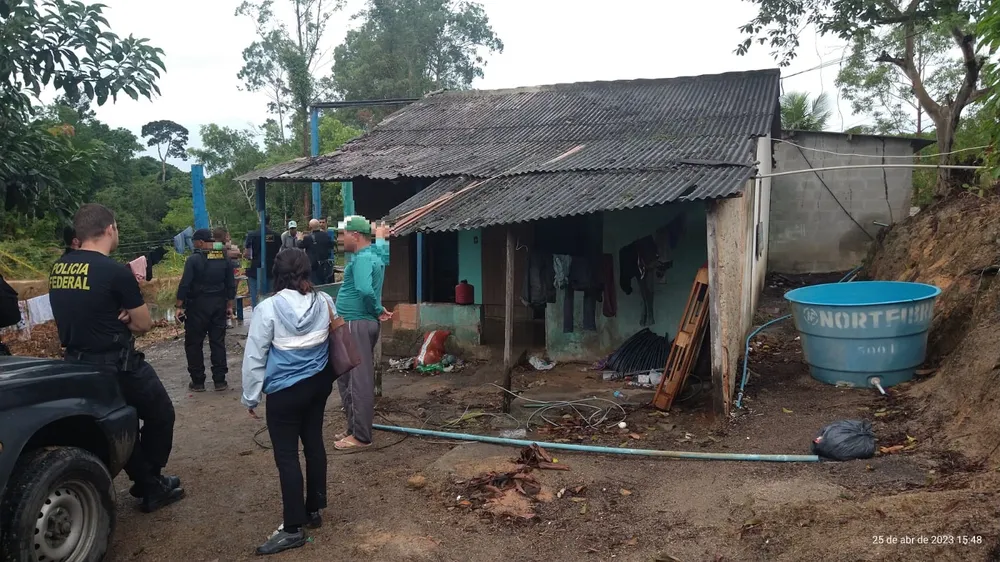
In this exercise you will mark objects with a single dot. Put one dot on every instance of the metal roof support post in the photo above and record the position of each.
(347, 194)
(198, 196)
(420, 267)
(508, 321)
(261, 192)
(314, 133)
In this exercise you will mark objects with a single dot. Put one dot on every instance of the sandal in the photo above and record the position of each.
(341, 436)
(344, 445)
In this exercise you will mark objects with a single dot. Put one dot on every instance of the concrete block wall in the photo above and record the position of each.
(809, 231)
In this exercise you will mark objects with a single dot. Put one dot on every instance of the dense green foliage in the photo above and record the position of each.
(58, 155)
(798, 113)
(65, 46)
(888, 39)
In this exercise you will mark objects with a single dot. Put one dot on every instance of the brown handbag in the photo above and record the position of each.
(344, 354)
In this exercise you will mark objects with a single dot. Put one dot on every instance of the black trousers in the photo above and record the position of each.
(142, 389)
(206, 316)
(295, 413)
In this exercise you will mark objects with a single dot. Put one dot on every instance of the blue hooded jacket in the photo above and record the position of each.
(287, 342)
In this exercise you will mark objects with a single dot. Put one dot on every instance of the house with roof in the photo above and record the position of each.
(596, 203)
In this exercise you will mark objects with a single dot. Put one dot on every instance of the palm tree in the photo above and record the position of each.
(798, 113)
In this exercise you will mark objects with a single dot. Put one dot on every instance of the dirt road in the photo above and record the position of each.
(629, 508)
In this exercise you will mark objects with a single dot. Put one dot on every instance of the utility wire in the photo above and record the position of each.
(877, 155)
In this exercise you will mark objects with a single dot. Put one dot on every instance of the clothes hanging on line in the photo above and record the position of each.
(39, 310)
(539, 281)
(138, 267)
(184, 241)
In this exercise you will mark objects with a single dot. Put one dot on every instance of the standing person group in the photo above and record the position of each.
(287, 358)
(98, 307)
(272, 244)
(205, 298)
(319, 247)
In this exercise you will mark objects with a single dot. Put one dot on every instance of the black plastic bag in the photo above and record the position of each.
(845, 440)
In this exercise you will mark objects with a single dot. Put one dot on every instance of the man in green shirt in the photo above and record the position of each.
(359, 302)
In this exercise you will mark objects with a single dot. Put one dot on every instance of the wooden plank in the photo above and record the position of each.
(686, 345)
(508, 321)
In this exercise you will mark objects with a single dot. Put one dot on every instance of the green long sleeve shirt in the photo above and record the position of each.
(360, 296)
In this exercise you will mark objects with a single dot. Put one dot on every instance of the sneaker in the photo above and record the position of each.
(281, 541)
(171, 482)
(220, 386)
(162, 496)
(315, 521)
(196, 387)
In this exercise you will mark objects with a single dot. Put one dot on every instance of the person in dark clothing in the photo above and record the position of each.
(70, 240)
(286, 358)
(318, 245)
(272, 243)
(204, 301)
(98, 307)
(10, 312)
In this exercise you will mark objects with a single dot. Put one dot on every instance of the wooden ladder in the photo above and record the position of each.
(687, 344)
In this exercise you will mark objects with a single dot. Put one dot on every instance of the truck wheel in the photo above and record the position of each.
(59, 507)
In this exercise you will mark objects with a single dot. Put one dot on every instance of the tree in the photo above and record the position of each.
(798, 113)
(228, 153)
(884, 92)
(778, 23)
(284, 61)
(989, 29)
(407, 48)
(67, 46)
(170, 140)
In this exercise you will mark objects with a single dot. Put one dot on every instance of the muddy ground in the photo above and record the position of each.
(627, 509)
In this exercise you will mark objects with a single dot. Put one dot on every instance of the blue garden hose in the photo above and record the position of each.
(746, 351)
(595, 449)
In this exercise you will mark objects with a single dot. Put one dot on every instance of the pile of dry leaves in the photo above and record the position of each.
(513, 494)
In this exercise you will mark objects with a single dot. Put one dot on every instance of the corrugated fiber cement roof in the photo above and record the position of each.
(566, 148)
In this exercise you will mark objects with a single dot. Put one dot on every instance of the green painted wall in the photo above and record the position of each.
(462, 321)
(669, 298)
(470, 260)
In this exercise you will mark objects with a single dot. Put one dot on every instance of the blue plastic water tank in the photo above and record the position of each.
(854, 332)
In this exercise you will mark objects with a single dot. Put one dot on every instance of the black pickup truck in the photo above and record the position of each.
(65, 433)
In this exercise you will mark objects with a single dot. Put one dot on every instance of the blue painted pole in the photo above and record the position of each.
(347, 194)
(198, 196)
(262, 215)
(314, 134)
(420, 267)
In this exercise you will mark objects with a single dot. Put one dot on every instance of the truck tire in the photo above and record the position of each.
(59, 506)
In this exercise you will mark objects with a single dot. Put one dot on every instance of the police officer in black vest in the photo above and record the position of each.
(204, 301)
(98, 307)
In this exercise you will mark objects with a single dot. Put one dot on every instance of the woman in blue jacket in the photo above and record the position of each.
(286, 359)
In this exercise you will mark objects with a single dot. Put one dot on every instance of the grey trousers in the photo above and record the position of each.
(357, 387)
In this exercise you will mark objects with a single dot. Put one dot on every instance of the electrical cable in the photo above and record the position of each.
(851, 154)
(832, 194)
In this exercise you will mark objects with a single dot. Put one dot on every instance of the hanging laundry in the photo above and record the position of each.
(184, 241)
(154, 257)
(539, 284)
(583, 276)
(560, 267)
(138, 267)
(610, 307)
(39, 310)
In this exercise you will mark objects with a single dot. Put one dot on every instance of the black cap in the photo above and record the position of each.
(202, 235)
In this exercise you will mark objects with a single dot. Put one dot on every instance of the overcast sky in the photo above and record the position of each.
(546, 42)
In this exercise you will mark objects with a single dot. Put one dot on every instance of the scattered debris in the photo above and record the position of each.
(536, 457)
(540, 364)
(625, 492)
(519, 433)
(416, 482)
